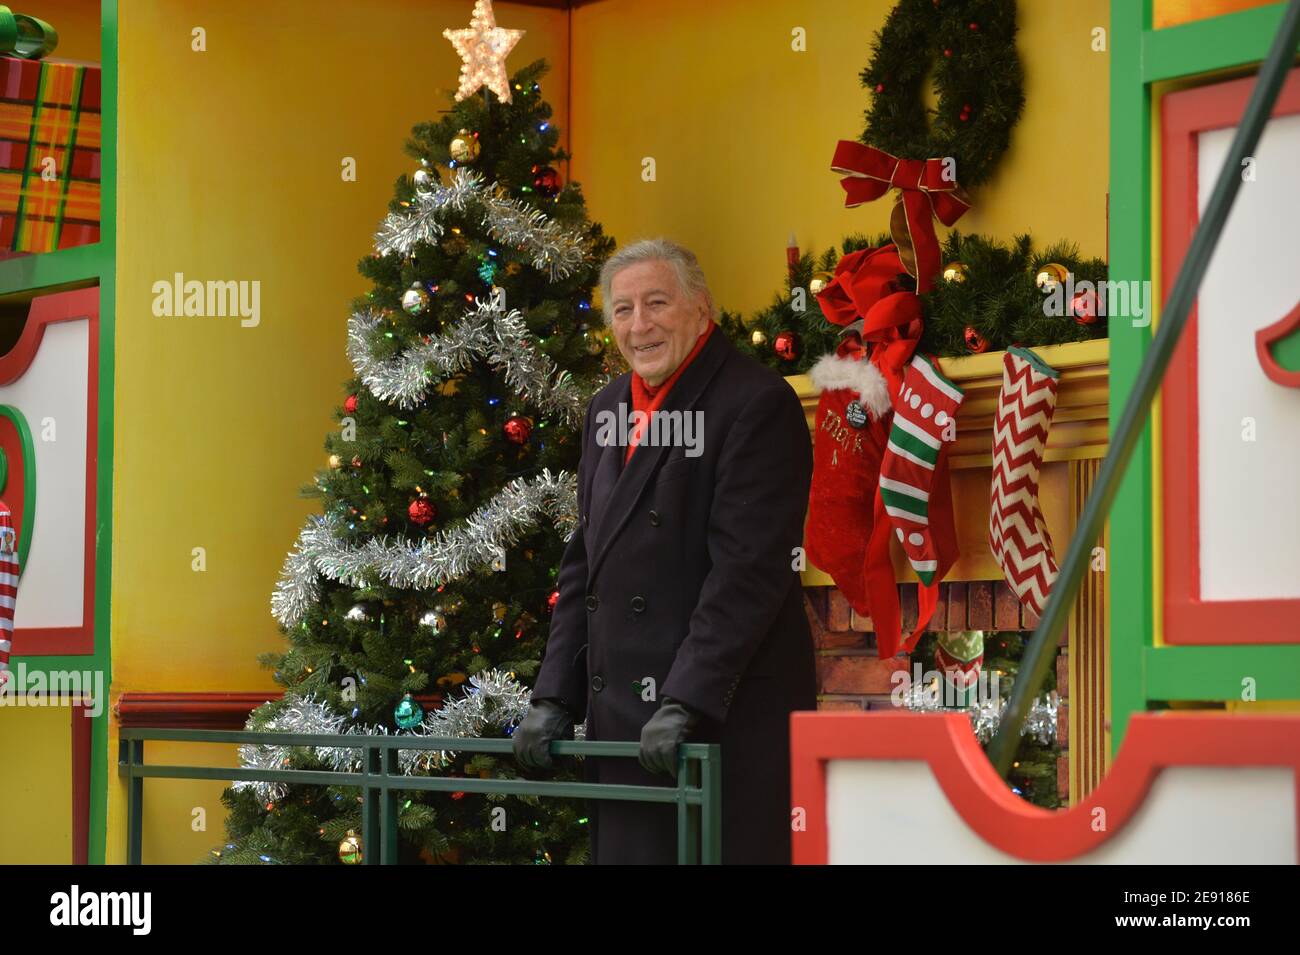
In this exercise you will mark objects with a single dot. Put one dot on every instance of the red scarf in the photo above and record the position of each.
(648, 398)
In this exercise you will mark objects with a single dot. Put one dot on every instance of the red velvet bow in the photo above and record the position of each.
(925, 194)
(865, 286)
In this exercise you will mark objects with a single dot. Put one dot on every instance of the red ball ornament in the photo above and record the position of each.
(350, 405)
(552, 600)
(974, 28)
(786, 346)
(880, 87)
(947, 52)
(546, 180)
(356, 461)
(975, 342)
(421, 512)
(517, 429)
(1084, 307)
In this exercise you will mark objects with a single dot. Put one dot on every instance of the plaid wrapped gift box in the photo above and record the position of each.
(49, 154)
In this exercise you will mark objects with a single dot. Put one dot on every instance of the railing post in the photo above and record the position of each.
(711, 807)
(133, 751)
(388, 810)
(687, 821)
(371, 823)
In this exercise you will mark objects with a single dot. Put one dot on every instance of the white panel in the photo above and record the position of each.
(893, 812)
(1249, 508)
(55, 386)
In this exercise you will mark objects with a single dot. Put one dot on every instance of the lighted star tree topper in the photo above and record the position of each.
(483, 47)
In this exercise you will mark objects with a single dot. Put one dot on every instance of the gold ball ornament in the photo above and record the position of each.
(595, 342)
(758, 338)
(350, 848)
(819, 281)
(336, 462)
(955, 272)
(1050, 275)
(464, 147)
(415, 300)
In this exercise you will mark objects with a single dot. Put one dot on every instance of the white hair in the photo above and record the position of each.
(690, 277)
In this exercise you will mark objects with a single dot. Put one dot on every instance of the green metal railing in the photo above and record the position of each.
(1039, 655)
(697, 793)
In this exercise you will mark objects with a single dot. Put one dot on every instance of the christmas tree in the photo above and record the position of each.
(418, 600)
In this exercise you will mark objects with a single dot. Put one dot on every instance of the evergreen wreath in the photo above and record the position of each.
(977, 75)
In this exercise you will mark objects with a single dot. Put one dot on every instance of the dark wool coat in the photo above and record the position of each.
(683, 570)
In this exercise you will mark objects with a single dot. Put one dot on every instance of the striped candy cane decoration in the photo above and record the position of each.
(1017, 532)
(8, 586)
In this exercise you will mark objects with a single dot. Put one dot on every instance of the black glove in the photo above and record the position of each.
(670, 725)
(546, 720)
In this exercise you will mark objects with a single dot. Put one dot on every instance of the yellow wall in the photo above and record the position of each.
(230, 169)
(743, 129)
(35, 745)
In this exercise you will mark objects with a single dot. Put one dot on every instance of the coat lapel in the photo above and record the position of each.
(615, 491)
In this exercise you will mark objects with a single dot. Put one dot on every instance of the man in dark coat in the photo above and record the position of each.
(680, 614)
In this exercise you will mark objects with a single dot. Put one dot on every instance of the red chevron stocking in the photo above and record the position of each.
(1017, 532)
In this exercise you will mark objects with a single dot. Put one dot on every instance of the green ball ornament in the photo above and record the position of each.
(408, 713)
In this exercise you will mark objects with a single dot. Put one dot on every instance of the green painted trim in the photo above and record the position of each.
(29, 482)
(1216, 43)
(99, 770)
(1216, 673)
(1130, 576)
(81, 263)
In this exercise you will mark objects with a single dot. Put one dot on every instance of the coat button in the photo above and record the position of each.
(597, 683)
(592, 602)
(638, 603)
(654, 518)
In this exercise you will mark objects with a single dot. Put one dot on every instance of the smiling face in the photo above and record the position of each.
(655, 323)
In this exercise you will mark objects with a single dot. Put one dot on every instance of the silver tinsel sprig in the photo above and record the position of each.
(488, 332)
(494, 700)
(454, 551)
(986, 714)
(551, 245)
(401, 231)
(509, 221)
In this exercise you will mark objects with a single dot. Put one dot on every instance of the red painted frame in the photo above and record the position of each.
(1188, 619)
(980, 796)
(47, 310)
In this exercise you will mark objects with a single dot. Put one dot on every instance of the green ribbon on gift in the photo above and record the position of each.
(25, 37)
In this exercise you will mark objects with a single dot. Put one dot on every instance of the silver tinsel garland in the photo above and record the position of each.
(507, 220)
(477, 541)
(493, 700)
(488, 332)
(986, 715)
